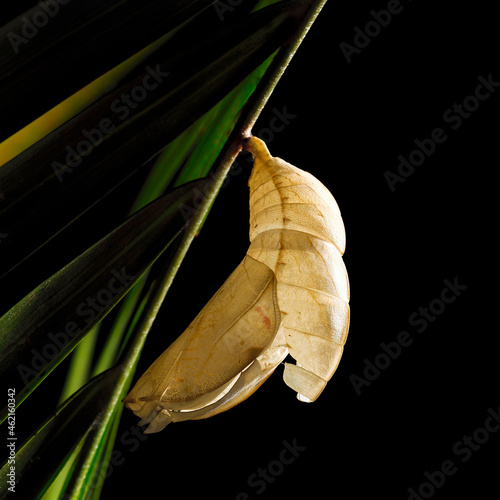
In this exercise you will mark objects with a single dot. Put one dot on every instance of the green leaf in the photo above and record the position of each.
(81, 365)
(57, 179)
(220, 136)
(54, 317)
(96, 468)
(45, 451)
(74, 34)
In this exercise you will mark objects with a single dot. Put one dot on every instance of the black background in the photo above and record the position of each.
(347, 124)
(351, 122)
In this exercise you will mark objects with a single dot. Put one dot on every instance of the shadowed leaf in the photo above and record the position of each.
(60, 177)
(45, 451)
(55, 316)
(35, 45)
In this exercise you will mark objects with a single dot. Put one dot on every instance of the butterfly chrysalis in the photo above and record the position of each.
(289, 295)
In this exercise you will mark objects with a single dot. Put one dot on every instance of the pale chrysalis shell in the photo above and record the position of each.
(297, 231)
(290, 295)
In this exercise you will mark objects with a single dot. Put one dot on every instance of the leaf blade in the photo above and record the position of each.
(56, 305)
(74, 35)
(65, 170)
(53, 442)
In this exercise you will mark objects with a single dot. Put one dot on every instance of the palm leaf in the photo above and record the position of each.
(54, 318)
(247, 56)
(81, 29)
(82, 161)
(40, 457)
